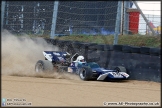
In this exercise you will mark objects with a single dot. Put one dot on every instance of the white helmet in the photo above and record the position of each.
(80, 59)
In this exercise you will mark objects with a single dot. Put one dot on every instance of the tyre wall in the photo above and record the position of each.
(142, 63)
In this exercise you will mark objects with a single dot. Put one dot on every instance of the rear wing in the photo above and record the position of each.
(56, 56)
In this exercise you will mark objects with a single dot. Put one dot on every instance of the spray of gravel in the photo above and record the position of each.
(20, 54)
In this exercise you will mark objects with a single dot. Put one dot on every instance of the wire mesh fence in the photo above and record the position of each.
(28, 16)
(152, 12)
(155, 23)
(79, 17)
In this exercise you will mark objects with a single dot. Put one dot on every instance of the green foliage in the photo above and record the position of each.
(133, 40)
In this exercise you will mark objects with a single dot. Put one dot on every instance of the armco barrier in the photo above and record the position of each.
(142, 63)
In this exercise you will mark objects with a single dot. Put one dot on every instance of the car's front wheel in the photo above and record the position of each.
(85, 73)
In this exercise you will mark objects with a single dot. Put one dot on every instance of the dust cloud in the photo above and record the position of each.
(20, 54)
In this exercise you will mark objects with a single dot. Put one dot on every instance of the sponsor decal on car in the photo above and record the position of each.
(55, 53)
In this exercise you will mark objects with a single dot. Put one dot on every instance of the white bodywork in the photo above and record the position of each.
(125, 74)
(48, 56)
(114, 74)
(103, 76)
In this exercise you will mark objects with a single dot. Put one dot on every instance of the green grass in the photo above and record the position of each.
(133, 40)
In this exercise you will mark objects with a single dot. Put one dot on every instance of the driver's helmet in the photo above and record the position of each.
(80, 59)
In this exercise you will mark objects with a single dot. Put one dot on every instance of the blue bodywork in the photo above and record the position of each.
(98, 72)
(57, 56)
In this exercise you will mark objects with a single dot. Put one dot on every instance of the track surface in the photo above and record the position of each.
(64, 92)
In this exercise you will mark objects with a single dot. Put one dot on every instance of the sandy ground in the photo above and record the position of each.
(72, 92)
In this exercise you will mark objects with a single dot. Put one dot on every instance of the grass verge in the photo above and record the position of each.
(133, 40)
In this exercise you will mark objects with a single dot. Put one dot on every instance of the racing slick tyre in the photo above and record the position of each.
(43, 66)
(154, 51)
(120, 69)
(101, 47)
(110, 48)
(117, 47)
(145, 50)
(54, 41)
(126, 49)
(135, 49)
(85, 73)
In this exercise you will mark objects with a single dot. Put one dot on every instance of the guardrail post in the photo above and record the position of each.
(54, 18)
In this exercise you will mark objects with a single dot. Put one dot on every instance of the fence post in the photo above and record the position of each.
(126, 17)
(117, 26)
(54, 18)
(121, 21)
(2, 13)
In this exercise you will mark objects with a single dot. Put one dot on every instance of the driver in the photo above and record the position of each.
(79, 60)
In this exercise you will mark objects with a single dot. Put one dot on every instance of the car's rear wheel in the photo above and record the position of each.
(85, 73)
(43, 66)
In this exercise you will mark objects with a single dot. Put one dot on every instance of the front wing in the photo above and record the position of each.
(113, 75)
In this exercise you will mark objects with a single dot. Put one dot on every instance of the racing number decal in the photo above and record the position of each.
(116, 74)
